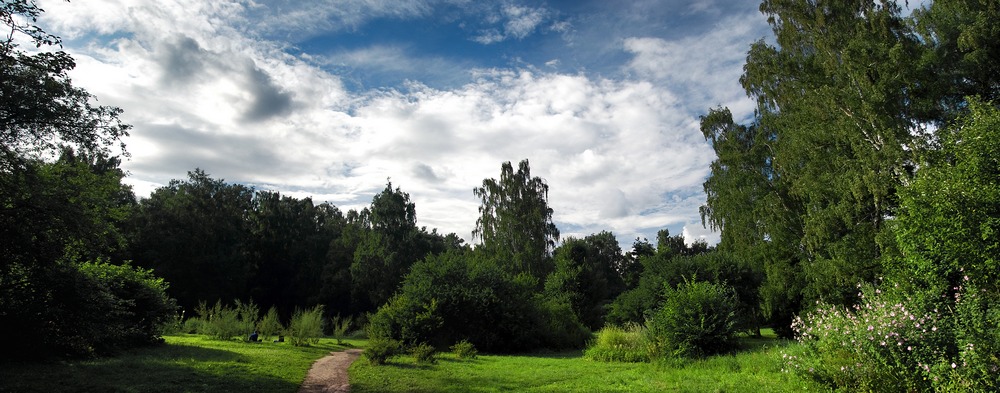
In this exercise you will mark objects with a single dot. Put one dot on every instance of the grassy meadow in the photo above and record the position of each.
(757, 369)
(192, 363)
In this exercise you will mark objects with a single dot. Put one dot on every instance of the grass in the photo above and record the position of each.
(757, 369)
(187, 363)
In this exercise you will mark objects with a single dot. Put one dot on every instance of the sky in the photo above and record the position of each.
(330, 99)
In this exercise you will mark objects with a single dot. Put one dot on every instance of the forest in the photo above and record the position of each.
(859, 210)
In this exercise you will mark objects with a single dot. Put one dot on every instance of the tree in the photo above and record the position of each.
(41, 111)
(291, 241)
(950, 214)
(54, 216)
(197, 235)
(386, 250)
(585, 273)
(515, 221)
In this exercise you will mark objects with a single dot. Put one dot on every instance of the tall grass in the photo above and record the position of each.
(621, 344)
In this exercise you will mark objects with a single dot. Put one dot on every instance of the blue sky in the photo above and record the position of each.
(329, 99)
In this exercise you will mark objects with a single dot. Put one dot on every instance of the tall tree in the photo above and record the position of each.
(291, 242)
(585, 272)
(515, 220)
(40, 110)
(386, 250)
(197, 234)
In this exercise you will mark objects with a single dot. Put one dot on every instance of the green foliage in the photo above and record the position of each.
(196, 234)
(306, 326)
(133, 305)
(42, 112)
(585, 270)
(341, 327)
(616, 344)
(466, 295)
(270, 325)
(895, 343)
(696, 318)
(424, 354)
(515, 220)
(381, 350)
(949, 220)
(554, 324)
(464, 350)
(220, 322)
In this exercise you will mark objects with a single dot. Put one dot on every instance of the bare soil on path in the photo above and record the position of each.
(329, 374)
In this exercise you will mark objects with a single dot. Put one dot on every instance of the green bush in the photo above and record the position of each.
(556, 326)
(193, 326)
(340, 328)
(220, 322)
(895, 343)
(247, 315)
(424, 354)
(697, 318)
(101, 308)
(270, 325)
(470, 296)
(381, 350)
(616, 344)
(306, 327)
(464, 350)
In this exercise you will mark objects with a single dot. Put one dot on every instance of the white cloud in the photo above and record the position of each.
(705, 68)
(519, 22)
(618, 154)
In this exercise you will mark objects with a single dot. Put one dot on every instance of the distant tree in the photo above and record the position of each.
(291, 242)
(386, 250)
(197, 234)
(515, 220)
(585, 273)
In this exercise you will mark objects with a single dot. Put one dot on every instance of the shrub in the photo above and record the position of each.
(894, 343)
(556, 326)
(270, 325)
(424, 354)
(381, 350)
(697, 318)
(464, 350)
(220, 322)
(341, 327)
(306, 327)
(616, 344)
(193, 326)
(247, 315)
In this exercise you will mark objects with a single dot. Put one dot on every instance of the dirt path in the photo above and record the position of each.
(329, 374)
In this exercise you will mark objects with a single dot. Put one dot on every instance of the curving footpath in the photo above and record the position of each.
(329, 374)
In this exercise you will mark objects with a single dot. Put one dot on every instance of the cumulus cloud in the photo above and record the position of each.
(203, 90)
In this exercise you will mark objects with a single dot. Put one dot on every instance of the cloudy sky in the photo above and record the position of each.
(330, 98)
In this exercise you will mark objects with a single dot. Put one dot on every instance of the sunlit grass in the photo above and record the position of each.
(187, 363)
(757, 369)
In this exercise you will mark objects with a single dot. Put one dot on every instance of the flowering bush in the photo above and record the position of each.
(889, 345)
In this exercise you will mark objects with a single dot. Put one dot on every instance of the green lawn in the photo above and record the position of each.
(758, 369)
(186, 364)
(190, 363)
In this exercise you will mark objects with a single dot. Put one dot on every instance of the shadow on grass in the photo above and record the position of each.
(170, 368)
